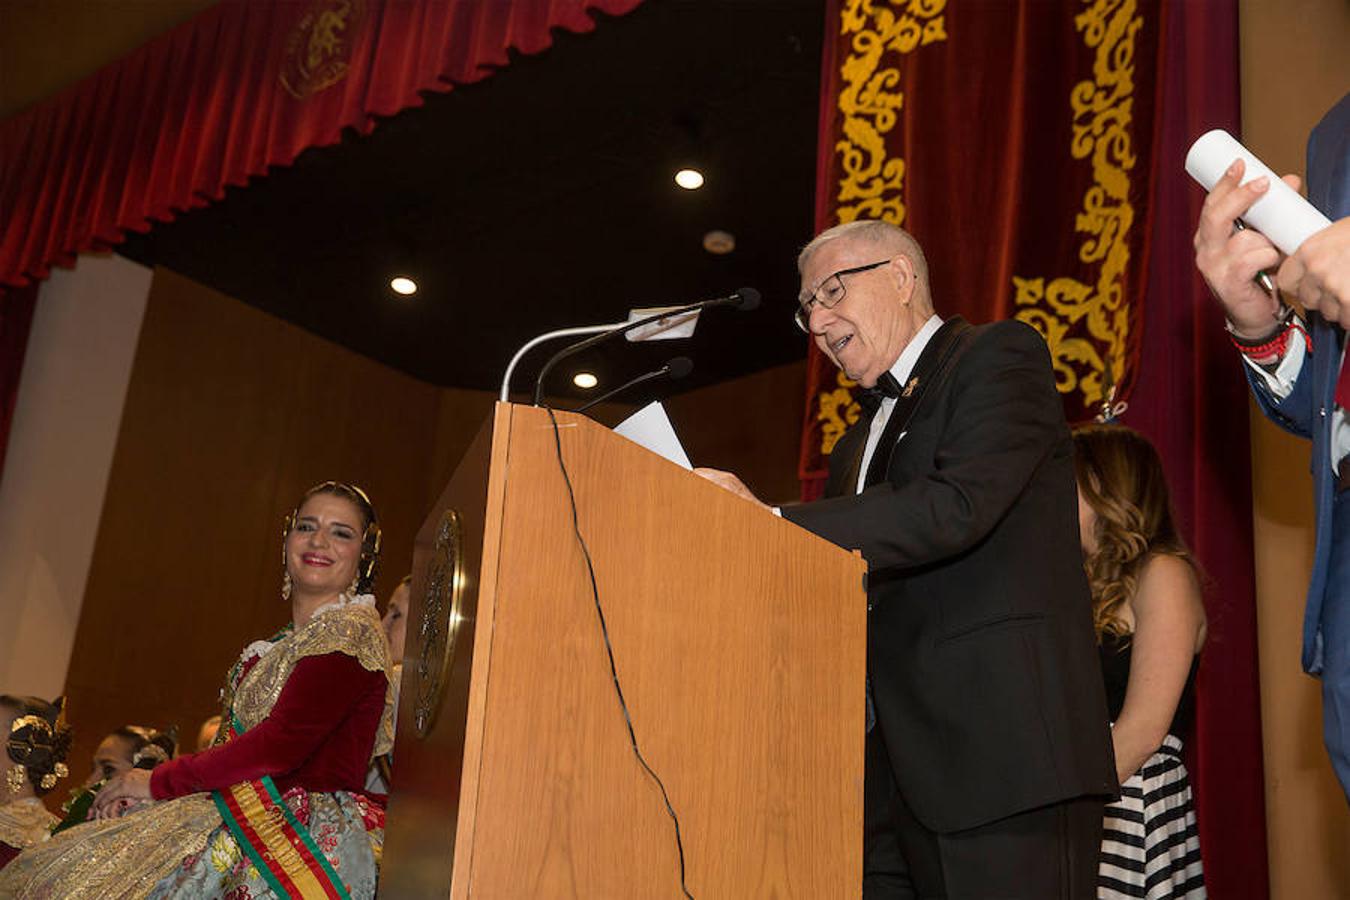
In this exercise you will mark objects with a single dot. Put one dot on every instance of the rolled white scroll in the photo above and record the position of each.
(1281, 215)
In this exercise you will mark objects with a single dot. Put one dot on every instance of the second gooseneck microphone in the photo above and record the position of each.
(678, 367)
(744, 299)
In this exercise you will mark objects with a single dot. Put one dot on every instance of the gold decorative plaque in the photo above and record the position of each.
(442, 616)
(319, 48)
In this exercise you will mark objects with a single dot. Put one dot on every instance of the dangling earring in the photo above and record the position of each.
(351, 588)
(285, 585)
(15, 777)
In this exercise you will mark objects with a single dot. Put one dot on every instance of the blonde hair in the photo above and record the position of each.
(1121, 478)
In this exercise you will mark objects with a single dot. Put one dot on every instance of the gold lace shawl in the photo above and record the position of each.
(25, 822)
(124, 858)
(113, 858)
(351, 628)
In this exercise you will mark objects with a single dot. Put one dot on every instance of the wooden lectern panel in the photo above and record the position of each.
(739, 643)
(424, 803)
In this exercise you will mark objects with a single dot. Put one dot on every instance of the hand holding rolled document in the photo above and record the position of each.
(1242, 187)
(1281, 215)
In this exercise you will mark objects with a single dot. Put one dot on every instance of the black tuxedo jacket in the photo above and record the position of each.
(983, 662)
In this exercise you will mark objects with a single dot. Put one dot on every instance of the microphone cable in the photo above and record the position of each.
(609, 652)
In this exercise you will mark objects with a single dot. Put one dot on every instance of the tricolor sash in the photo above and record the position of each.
(274, 839)
(278, 844)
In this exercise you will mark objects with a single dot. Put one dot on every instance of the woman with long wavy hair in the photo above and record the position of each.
(1149, 615)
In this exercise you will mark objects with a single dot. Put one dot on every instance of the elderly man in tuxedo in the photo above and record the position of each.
(988, 747)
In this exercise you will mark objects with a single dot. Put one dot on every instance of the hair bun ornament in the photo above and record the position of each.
(38, 743)
(159, 746)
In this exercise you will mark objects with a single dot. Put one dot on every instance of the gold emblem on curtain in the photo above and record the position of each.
(1087, 326)
(871, 182)
(319, 48)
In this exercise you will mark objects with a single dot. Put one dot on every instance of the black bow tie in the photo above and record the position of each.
(886, 386)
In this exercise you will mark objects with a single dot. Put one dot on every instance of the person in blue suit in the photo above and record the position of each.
(1294, 365)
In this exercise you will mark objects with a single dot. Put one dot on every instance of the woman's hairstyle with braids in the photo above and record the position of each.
(1121, 478)
(38, 741)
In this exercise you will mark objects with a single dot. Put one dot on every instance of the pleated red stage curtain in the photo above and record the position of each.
(1034, 148)
(1190, 398)
(244, 86)
(16, 321)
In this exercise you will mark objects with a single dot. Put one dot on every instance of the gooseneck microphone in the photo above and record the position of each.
(744, 299)
(678, 367)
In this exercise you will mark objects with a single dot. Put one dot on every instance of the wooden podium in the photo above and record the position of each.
(739, 641)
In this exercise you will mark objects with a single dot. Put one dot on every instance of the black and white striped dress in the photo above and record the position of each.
(1150, 843)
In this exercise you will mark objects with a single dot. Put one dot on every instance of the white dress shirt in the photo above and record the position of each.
(1281, 384)
(903, 366)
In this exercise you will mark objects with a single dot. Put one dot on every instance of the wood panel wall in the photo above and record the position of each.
(230, 415)
(1294, 68)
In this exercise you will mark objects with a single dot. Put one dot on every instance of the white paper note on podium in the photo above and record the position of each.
(650, 427)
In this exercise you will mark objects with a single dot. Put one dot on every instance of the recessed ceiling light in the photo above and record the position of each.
(585, 380)
(403, 285)
(719, 242)
(689, 179)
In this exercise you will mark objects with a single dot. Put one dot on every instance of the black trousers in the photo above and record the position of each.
(1050, 853)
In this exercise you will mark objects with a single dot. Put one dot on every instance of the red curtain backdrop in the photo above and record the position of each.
(1190, 398)
(242, 87)
(16, 320)
(1014, 140)
(1035, 150)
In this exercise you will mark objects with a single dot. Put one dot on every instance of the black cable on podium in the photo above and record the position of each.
(609, 651)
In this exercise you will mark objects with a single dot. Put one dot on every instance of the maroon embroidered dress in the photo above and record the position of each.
(275, 808)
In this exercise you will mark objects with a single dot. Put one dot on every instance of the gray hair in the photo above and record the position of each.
(892, 238)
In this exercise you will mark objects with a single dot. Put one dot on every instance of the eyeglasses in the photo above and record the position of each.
(828, 295)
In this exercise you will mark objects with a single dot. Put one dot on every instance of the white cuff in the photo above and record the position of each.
(1281, 381)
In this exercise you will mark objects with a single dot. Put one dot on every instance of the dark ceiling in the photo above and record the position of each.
(543, 197)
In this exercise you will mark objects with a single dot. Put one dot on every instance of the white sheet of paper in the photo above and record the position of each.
(650, 427)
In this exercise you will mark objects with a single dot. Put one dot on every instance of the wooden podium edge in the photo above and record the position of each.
(502, 421)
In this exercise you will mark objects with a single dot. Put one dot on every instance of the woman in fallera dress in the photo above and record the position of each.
(1150, 620)
(37, 742)
(276, 809)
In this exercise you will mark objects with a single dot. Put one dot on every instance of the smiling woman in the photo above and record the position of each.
(275, 808)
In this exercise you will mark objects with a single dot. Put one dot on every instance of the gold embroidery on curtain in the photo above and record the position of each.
(871, 182)
(1102, 115)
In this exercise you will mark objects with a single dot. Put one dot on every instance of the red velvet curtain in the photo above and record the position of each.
(1014, 140)
(1190, 398)
(16, 321)
(1035, 150)
(244, 86)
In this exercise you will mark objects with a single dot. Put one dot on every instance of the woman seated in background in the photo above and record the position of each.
(37, 740)
(1150, 622)
(207, 731)
(129, 747)
(276, 809)
(395, 624)
(118, 752)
